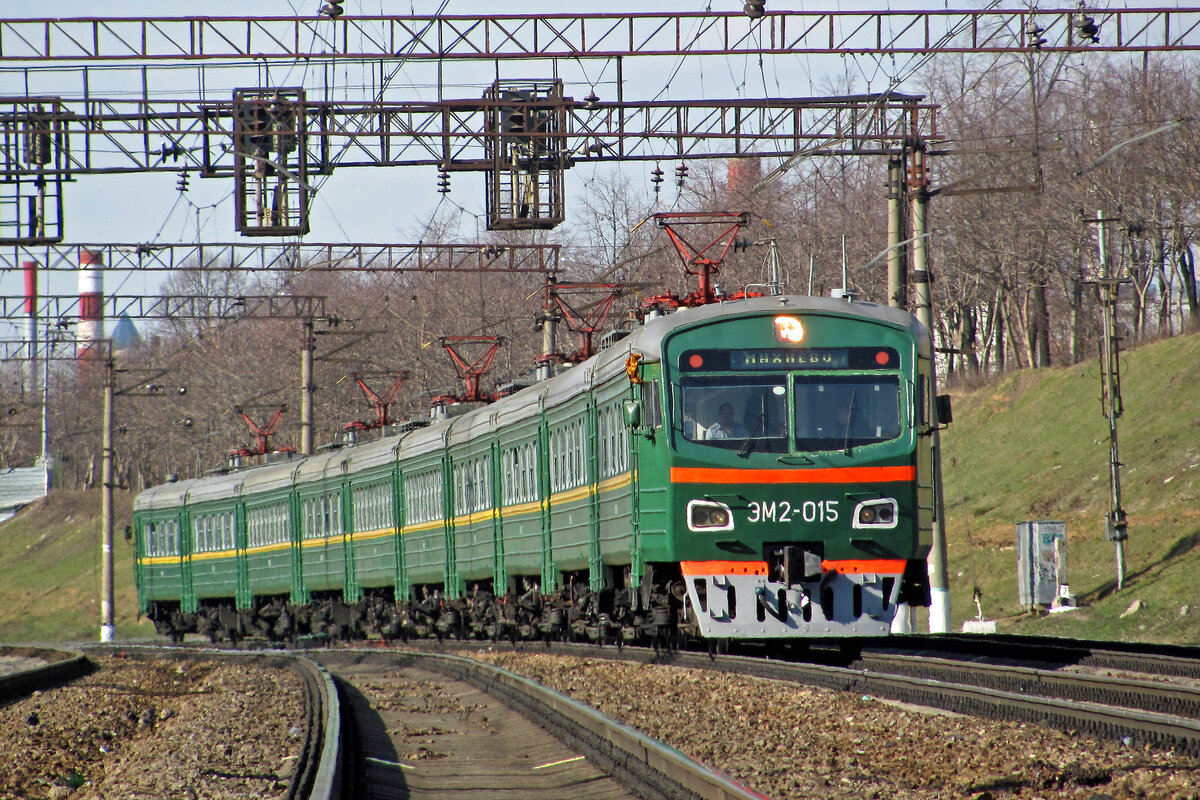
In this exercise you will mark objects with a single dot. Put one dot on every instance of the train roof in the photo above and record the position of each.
(529, 402)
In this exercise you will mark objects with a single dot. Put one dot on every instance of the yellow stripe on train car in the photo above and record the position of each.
(536, 506)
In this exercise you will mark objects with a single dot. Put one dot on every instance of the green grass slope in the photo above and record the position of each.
(1033, 445)
(50, 572)
(1027, 446)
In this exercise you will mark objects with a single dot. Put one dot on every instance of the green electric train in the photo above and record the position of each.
(756, 469)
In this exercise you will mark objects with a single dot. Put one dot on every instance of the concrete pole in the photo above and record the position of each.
(306, 388)
(897, 283)
(107, 626)
(939, 576)
(31, 322)
(47, 461)
(545, 370)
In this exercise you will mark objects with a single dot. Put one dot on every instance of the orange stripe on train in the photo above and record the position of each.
(852, 566)
(824, 475)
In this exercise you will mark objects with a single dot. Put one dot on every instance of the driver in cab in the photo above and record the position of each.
(725, 427)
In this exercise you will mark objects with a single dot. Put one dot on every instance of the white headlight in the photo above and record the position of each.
(875, 514)
(708, 515)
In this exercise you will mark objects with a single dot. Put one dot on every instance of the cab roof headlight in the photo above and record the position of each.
(708, 515)
(789, 329)
(876, 514)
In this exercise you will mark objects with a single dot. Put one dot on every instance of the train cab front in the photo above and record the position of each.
(801, 486)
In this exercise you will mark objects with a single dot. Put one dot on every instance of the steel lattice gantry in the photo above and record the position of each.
(299, 256)
(464, 37)
(173, 307)
(272, 141)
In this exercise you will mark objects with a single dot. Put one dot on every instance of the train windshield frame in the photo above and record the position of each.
(797, 410)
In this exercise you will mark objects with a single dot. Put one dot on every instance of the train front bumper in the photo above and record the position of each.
(738, 599)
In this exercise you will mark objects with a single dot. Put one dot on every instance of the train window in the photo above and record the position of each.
(423, 494)
(472, 486)
(730, 411)
(483, 484)
(372, 507)
(651, 407)
(836, 413)
(923, 404)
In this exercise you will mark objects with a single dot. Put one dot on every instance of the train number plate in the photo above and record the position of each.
(784, 511)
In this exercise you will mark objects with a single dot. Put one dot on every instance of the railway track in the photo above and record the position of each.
(24, 670)
(391, 725)
(1155, 698)
(436, 726)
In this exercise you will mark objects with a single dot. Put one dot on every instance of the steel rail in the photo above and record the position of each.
(1100, 720)
(1127, 692)
(543, 36)
(317, 775)
(60, 667)
(1158, 659)
(652, 768)
(962, 695)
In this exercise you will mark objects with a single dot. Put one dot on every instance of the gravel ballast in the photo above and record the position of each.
(789, 741)
(182, 729)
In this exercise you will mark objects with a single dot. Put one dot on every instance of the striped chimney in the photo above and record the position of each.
(91, 303)
(31, 337)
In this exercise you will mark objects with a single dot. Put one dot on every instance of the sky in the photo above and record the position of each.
(394, 205)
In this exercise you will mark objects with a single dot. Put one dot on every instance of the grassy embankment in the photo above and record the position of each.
(1034, 446)
(50, 569)
(1031, 445)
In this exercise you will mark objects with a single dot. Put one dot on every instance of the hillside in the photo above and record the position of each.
(50, 560)
(1034, 446)
(1031, 445)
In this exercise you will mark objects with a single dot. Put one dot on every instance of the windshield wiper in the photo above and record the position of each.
(748, 445)
(850, 419)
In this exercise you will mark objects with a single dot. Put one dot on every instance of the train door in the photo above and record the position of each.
(351, 591)
(403, 586)
(300, 594)
(452, 587)
(242, 596)
(499, 571)
(187, 545)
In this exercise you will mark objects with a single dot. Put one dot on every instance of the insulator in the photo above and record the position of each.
(657, 175)
(754, 9)
(182, 183)
(37, 141)
(333, 8)
(1088, 29)
(284, 122)
(680, 174)
(591, 100)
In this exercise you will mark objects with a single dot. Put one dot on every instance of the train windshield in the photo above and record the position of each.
(823, 412)
(730, 410)
(841, 412)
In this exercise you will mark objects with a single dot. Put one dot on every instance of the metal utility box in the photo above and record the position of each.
(1041, 561)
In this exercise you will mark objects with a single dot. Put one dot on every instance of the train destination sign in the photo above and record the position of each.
(789, 358)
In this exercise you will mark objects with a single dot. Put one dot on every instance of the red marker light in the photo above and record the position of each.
(882, 358)
(695, 361)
